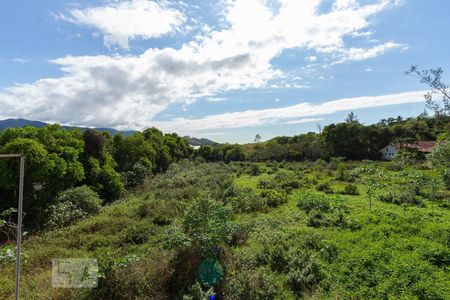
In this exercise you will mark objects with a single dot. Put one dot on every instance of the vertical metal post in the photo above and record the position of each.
(19, 225)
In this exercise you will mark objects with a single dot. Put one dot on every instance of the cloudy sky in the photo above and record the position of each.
(225, 69)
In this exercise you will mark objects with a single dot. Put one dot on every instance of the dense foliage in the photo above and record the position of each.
(212, 228)
(58, 159)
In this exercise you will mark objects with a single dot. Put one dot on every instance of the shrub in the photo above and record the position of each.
(131, 277)
(334, 162)
(340, 171)
(286, 180)
(266, 184)
(137, 234)
(273, 255)
(135, 176)
(196, 293)
(392, 166)
(237, 233)
(320, 164)
(8, 255)
(440, 156)
(316, 218)
(350, 189)
(305, 272)
(255, 170)
(401, 197)
(311, 201)
(83, 198)
(261, 283)
(446, 178)
(206, 223)
(324, 187)
(274, 198)
(247, 201)
(63, 214)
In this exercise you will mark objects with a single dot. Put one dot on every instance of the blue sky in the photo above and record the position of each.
(225, 70)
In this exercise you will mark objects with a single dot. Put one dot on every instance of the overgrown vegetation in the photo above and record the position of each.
(201, 229)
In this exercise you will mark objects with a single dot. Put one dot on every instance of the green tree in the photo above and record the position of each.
(206, 223)
(52, 165)
(133, 149)
(439, 159)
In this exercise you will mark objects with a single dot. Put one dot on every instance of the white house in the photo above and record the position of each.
(390, 151)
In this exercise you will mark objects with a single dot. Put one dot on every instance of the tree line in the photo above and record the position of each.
(350, 139)
(58, 159)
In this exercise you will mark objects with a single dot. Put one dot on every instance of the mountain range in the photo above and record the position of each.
(9, 123)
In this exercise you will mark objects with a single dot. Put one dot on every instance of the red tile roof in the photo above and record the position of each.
(422, 146)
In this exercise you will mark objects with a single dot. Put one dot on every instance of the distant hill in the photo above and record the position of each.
(198, 142)
(9, 123)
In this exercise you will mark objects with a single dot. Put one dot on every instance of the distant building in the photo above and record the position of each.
(390, 151)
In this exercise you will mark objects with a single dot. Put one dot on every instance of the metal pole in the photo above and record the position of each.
(19, 225)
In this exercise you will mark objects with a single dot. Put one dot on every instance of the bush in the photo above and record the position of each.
(311, 201)
(446, 178)
(83, 198)
(247, 201)
(320, 164)
(305, 272)
(64, 214)
(206, 223)
(266, 184)
(324, 187)
(401, 197)
(273, 255)
(340, 171)
(274, 198)
(135, 176)
(282, 180)
(261, 283)
(196, 293)
(334, 162)
(255, 170)
(350, 189)
(237, 233)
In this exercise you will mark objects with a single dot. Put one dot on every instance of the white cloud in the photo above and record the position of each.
(361, 34)
(126, 92)
(216, 99)
(287, 114)
(20, 60)
(122, 21)
(358, 54)
(311, 58)
(369, 69)
(304, 120)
